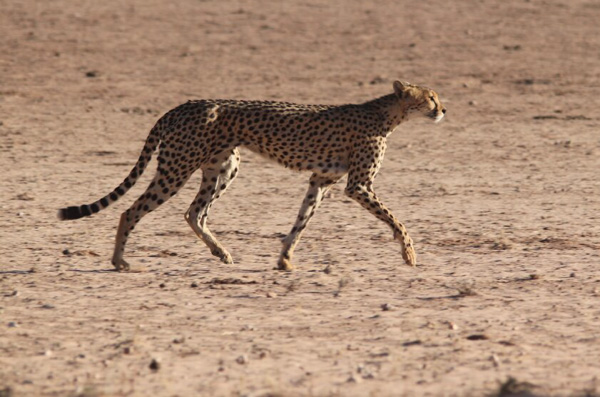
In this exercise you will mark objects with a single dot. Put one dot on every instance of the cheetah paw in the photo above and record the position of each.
(121, 265)
(285, 265)
(410, 256)
(223, 255)
(227, 259)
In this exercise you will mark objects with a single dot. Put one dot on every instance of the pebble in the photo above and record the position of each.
(452, 326)
(12, 324)
(271, 294)
(354, 379)
(154, 365)
(243, 359)
(386, 307)
(494, 358)
(478, 337)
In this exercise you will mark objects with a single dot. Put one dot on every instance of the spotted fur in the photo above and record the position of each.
(328, 141)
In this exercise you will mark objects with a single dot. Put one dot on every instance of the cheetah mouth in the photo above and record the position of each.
(436, 116)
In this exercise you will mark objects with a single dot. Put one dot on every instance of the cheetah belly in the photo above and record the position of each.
(305, 158)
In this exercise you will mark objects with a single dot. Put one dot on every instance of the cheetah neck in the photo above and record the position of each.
(391, 110)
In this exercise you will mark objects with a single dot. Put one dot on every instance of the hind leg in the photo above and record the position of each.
(319, 185)
(166, 184)
(217, 175)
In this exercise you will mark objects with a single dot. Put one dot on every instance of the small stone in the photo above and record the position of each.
(179, 340)
(20, 214)
(91, 73)
(473, 103)
(243, 359)
(452, 325)
(354, 379)
(127, 350)
(162, 285)
(24, 197)
(194, 285)
(377, 80)
(12, 324)
(14, 293)
(327, 269)
(572, 274)
(66, 252)
(48, 353)
(494, 358)
(154, 365)
(386, 307)
(478, 337)
(271, 294)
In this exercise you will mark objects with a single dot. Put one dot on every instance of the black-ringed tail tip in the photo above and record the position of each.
(70, 213)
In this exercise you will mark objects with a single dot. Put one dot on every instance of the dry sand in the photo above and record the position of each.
(502, 199)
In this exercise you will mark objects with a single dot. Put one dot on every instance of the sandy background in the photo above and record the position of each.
(502, 199)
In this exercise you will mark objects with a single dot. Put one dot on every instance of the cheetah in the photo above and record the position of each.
(329, 141)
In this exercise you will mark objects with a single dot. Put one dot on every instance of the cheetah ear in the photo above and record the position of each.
(400, 87)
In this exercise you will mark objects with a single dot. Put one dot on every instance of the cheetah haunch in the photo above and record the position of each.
(329, 141)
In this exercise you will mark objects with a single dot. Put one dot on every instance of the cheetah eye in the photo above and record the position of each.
(432, 99)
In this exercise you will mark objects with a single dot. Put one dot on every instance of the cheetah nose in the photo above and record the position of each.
(444, 110)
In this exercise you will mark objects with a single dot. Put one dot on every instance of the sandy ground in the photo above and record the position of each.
(502, 199)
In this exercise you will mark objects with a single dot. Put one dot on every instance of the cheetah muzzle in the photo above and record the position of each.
(328, 141)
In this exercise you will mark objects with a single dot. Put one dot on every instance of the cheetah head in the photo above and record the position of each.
(419, 101)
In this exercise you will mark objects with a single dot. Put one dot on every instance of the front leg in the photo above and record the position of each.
(366, 197)
(319, 185)
(364, 165)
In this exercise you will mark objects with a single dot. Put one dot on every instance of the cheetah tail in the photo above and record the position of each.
(77, 212)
